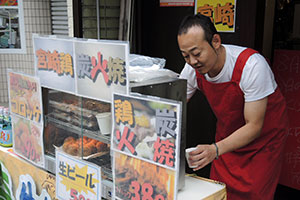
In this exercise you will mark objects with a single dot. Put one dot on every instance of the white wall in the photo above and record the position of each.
(37, 19)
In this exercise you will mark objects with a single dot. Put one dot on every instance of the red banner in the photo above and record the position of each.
(286, 68)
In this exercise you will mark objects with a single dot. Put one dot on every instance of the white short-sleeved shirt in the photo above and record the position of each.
(257, 79)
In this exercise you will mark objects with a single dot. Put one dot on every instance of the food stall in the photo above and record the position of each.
(85, 121)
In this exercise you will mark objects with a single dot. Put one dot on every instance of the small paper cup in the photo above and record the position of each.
(187, 151)
(104, 122)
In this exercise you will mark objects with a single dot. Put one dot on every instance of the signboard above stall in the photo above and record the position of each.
(89, 68)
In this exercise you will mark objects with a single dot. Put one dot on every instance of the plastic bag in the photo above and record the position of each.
(144, 68)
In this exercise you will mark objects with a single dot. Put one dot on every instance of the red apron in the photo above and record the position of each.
(251, 172)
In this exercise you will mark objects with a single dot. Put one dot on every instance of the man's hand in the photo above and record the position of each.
(202, 156)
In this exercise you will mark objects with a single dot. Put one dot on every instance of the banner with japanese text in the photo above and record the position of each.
(221, 12)
(101, 68)
(25, 97)
(54, 64)
(76, 178)
(146, 134)
(28, 140)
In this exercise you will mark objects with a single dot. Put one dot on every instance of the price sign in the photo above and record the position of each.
(77, 179)
(28, 140)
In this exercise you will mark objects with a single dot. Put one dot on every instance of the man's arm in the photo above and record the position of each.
(254, 113)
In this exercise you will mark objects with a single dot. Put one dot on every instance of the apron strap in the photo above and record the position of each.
(240, 63)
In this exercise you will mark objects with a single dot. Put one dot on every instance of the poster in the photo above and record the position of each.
(101, 68)
(76, 179)
(25, 97)
(145, 140)
(8, 2)
(28, 140)
(221, 12)
(286, 68)
(54, 64)
(138, 179)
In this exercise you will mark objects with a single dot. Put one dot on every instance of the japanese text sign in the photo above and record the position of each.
(76, 179)
(148, 129)
(25, 97)
(145, 140)
(28, 140)
(92, 68)
(54, 63)
(27, 189)
(101, 68)
(139, 179)
(221, 13)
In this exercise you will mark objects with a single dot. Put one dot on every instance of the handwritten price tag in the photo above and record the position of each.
(144, 192)
(29, 151)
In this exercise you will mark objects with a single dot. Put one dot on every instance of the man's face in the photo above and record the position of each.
(196, 51)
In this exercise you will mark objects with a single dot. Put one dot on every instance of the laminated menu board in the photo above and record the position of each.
(90, 68)
(54, 62)
(25, 102)
(145, 141)
(76, 178)
(286, 68)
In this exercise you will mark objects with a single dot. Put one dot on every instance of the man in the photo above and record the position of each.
(251, 113)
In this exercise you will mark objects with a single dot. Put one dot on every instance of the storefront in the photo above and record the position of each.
(67, 118)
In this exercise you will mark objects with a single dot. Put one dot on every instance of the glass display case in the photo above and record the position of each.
(71, 125)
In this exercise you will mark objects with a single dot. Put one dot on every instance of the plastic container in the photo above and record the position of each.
(6, 129)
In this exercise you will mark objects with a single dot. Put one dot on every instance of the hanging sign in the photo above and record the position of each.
(221, 12)
(76, 179)
(145, 139)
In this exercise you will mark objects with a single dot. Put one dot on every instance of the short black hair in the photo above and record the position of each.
(198, 20)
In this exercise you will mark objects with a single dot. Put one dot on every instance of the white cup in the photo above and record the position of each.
(104, 122)
(187, 151)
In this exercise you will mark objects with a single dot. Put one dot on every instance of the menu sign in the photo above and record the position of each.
(101, 68)
(76, 179)
(25, 101)
(28, 140)
(25, 96)
(91, 68)
(54, 63)
(146, 135)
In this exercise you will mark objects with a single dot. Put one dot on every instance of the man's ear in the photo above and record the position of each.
(216, 41)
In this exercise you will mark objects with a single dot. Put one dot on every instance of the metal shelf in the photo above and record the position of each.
(78, 130)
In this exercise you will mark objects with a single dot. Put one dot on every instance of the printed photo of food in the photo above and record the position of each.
(137, 178)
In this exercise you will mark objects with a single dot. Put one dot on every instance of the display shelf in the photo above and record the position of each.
(78, 130)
